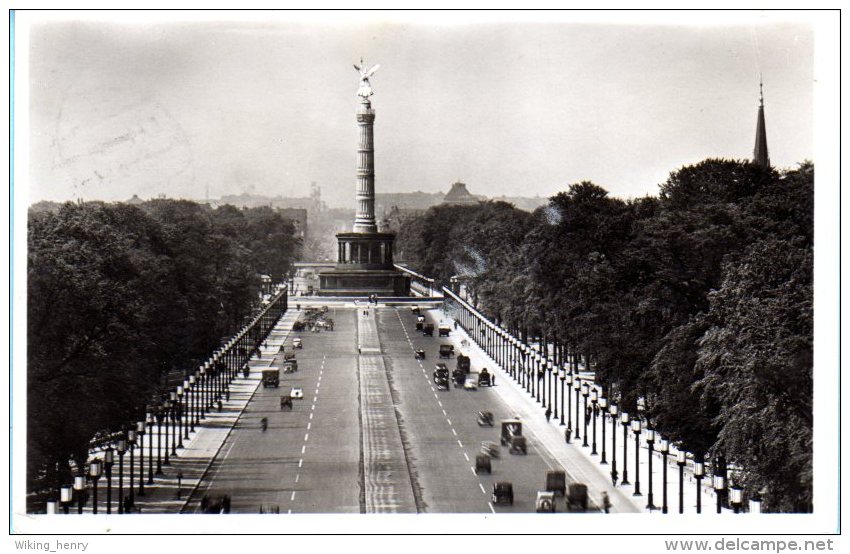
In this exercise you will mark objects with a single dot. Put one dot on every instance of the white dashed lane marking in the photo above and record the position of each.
(465, 456)
(303, 448)
(309, 423)
(297, 476)
(293, 496)
(482, 488)
(306, 437)
(300, 462)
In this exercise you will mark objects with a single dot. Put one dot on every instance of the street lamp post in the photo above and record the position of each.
(193, 412)
(173, 399)
(108, 460)
(636, 430)
(664, 448)
(179, 414)
(613, 411)
(80, 491)
(140, 431)
(719, 483)
(577, 388)
(624, 419)
(131, 442)
(162, 416)
(569, 381)
(95, 470)
(736, 497)
(650, 441)
(50, 507)
(149, 420)
(594, 400)
(585, 392)
(66, 497)
(187, 413)
(603, 408)
(204, 386)
(121, 447)
(699, 473)
(680, 461)
(563, 376)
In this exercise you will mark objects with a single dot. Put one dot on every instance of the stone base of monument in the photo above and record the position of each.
(363, 282)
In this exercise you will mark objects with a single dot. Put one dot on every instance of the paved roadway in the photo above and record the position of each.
(371, 434)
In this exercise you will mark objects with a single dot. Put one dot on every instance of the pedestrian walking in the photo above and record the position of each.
(606, 502)
(548, 414)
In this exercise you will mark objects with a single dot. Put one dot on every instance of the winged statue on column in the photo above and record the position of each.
(365, 90)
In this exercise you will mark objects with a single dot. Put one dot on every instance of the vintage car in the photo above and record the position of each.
(518, 445)
(577, 497)
(419, 354)
(414, 310)
(482, 463)
(485, 419)
(296, 343)
(441, 376)
(463, 363)
(471, 382)
(490, 448)
(428, 330)
(289, 356)
(484, 378)
(290, 366)
(271, 377)
(556, 482)
(510, 428)
(503, 493)
(545, 502)
(447, 350)
(459, 377)
(296, 392)
(445, 328)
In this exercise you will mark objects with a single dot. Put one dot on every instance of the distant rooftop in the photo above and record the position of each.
(459, 195)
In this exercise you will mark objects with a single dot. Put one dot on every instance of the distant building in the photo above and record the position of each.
(459, 195)
(135, 201)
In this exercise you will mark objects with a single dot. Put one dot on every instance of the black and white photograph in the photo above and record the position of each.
(427, 272)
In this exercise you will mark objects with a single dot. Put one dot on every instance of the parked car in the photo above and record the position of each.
(296, 392)
(271, 377)
(556, 482)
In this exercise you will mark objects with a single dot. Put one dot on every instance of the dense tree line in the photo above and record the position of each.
(697, 301)
(120, 297)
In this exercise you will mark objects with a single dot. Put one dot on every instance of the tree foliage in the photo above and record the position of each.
(119, 297)
(698, 301)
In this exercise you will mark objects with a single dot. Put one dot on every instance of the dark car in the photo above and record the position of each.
(463, 363)
(482, 463)
(503, 493)
(577, 497)
(484, 378)
(510, 428)
(556, 482)
(419, 354)
(447, 350)
(441, 376)
(428, 330)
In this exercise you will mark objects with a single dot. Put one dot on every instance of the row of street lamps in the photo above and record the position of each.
(179, 411)
(539, 376)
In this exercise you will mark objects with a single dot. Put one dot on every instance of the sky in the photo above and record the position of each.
(227, 104)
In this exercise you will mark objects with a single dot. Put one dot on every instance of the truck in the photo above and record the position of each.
(271, 377)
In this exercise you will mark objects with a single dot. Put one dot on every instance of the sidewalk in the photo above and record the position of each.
(577, 459)
(200, 449)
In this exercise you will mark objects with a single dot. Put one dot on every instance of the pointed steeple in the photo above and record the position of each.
(760, 151)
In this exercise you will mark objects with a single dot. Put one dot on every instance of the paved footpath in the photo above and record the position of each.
(195, 458)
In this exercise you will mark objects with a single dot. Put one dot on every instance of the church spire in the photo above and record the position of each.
(760, 151)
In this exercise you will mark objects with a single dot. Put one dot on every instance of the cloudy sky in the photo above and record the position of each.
(229, 103)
